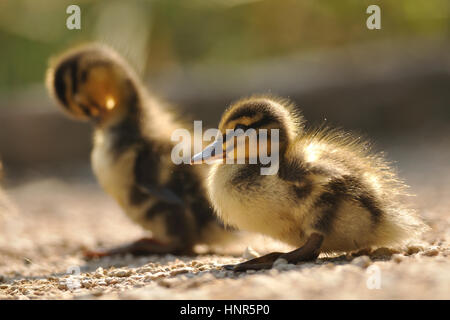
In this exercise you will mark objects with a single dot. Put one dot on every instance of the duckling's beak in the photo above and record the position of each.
(212, 153)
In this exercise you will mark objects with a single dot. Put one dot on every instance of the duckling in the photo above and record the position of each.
(330, 193)
(131, 155)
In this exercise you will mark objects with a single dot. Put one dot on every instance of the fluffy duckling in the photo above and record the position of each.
(131, 154)
(329, 194)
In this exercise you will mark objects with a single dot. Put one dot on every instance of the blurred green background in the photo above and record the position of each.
(203, 54)
(166, 34)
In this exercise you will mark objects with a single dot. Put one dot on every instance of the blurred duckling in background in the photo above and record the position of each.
(131, 154)
(330, 194)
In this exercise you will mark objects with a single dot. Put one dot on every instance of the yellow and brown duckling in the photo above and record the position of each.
(131, 154)
(329, 194)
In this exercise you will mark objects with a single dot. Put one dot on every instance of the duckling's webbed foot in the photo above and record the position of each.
(309, 251)
(263, 262)
(141, 247)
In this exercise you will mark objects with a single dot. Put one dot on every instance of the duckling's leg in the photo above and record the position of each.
(144, 246)
(309, 251)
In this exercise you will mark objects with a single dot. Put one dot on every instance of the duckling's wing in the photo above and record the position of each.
(161, 193)
(292, 170)
(146, 168)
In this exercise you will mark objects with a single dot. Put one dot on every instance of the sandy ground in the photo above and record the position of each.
(47, 223)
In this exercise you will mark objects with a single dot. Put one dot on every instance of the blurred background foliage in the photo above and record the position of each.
(200, 55)
(161, 35)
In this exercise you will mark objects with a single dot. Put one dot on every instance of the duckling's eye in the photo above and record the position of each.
(241, 126)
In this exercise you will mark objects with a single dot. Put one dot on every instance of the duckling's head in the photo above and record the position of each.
(260, 117)
(91, 83)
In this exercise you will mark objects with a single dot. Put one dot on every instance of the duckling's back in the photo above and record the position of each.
(359, 202)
